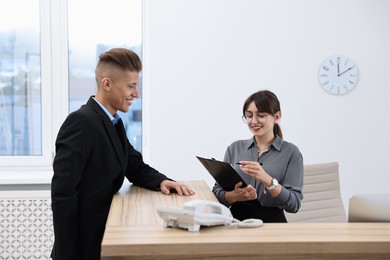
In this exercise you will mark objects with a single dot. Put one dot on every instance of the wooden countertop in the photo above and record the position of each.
(133, 205)
(135, 231)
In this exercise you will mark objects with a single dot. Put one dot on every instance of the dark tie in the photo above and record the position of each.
(115, 120)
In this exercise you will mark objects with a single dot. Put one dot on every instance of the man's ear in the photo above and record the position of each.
(106, 83)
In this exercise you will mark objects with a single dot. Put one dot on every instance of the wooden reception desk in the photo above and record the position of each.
(135, 231)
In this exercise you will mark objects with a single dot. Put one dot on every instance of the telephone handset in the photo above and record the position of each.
(196, 213)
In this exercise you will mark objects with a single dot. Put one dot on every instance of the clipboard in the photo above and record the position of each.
(223, 173)
(227, 177)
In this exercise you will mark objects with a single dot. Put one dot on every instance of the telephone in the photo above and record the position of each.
(196, 213)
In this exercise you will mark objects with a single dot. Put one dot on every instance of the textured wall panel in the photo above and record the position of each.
(26, 229)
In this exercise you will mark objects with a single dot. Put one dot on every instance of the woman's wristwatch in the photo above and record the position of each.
(274, 184)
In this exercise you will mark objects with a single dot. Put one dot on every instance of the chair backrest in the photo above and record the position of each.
(369, 208)
(321, 195)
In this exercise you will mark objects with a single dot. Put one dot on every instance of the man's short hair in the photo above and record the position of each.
(117, 59)
(122, 58)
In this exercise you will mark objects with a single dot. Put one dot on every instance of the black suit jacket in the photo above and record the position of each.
(89, 168)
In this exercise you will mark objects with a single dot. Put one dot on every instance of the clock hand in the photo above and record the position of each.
(339, 74)
(338, 65)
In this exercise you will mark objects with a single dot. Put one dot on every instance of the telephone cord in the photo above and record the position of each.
(247, 223)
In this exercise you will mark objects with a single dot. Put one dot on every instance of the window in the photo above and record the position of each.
(117, 24)
(20, 79)
(48, 54)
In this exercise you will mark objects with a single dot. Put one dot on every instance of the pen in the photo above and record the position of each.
(240, 163)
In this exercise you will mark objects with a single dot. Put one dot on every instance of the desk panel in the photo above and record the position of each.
(271, 241)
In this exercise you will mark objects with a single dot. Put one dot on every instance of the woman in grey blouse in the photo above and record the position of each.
(272, 167)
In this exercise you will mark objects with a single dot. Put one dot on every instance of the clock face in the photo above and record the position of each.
(338, 75)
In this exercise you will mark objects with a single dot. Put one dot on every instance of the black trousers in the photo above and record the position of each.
(253, 209)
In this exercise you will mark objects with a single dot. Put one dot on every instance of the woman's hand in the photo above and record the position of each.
(241, 194)
(255, 170)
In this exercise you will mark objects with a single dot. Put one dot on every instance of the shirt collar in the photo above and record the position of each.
(277, 143)
(114, 118)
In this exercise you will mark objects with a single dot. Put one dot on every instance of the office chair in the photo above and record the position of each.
(321, 195)
(369, 208)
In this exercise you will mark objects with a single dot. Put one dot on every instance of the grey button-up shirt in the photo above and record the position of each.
(282, 161)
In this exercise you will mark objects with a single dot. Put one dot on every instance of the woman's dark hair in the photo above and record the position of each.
(266, 102)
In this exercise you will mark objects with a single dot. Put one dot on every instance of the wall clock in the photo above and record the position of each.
(338, 75)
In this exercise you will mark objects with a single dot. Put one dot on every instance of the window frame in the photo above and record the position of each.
(54, 48)
(54, 104)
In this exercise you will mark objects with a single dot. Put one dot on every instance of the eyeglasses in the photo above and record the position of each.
(261, 118)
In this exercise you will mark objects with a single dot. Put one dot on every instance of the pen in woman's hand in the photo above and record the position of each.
(241, 164)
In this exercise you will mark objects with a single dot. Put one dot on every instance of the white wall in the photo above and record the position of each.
(204, 57)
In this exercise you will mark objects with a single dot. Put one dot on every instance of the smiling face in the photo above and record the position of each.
(262, 113)
(117, 76)
(259, 123)
(120, 91)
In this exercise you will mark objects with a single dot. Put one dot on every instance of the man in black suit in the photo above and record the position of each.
(92, 158)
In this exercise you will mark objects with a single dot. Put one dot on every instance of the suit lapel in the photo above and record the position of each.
(115, 141)
(120, 130)
(111, 132)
